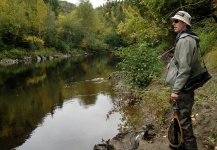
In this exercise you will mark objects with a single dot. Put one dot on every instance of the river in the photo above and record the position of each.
(58, 104)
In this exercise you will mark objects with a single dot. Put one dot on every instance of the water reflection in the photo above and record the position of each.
(73, 127)
(72, 88)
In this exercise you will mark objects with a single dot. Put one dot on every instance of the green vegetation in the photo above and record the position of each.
(207, 32)
(137, 30)
(141, 72)
(145, 29)
(49, 25)
(139, 65)
(213, 138)
(13, 53)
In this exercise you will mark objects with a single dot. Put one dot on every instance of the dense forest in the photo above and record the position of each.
(138, 31)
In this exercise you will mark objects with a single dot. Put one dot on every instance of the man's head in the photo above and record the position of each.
(181, 20)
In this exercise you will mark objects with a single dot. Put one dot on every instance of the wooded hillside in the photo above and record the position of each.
(138, 30)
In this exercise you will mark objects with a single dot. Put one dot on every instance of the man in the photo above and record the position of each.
(185, 61)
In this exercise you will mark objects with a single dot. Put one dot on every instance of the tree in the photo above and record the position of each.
(70, 31)
(88, 16)
(13, 22)
(41, 15)
(54, 4)
(136, 28)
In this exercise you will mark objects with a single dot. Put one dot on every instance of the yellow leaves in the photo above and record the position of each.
(154, 5)
(36, 79)
(106, 31)
(85, 66)
(138, 27)
(135, 26)
(2, 4)
(59, 30)
(133, 35)
(61, 18)
(41, 15)
(71, 19)
(84, 43)
(34, 40)
(121, 28)
(41, 11)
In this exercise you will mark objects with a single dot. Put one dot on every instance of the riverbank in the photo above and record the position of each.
(151, 133)
(6, 62)
(204, 117)
(45, 57)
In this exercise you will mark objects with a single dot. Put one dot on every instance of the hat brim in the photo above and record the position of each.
(179, 18)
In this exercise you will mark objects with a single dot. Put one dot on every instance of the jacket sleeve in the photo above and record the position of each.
(183, 55)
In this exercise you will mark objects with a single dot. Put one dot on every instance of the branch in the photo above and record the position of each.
(170, 14)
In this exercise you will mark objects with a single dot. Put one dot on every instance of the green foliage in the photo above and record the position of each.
(34, 42)
(63, 47)
(114, 40)
(13, 54)
(207, 34)
(88, 17)
(158, 10)
(213, 137)
(45, 52)
(41, 24)
(13, 23)
(209, 91)
(211, 58)
(69, 31)
(139, 64)
(66, 8)
(136, 28)
(97, 44)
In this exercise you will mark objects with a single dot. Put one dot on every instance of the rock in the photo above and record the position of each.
(6, 62)
(38, 59)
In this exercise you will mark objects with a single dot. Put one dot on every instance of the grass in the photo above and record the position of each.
(211, 59)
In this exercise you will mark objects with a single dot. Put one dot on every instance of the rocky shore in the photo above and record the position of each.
(6, 62)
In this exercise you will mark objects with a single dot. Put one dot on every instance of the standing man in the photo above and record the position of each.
(185, 61)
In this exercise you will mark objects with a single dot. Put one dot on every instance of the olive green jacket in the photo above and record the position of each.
(185, 61)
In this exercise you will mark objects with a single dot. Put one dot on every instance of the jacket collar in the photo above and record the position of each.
(186, 32)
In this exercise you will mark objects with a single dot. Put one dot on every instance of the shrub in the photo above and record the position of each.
(139, 64)
(64, 47)
(13, 54)
(34, 42)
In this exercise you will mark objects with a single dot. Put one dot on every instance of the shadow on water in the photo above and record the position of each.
(29, 93)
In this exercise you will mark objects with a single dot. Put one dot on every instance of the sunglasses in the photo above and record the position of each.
(176, 21)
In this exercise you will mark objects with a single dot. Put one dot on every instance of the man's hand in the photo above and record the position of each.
(174, 96)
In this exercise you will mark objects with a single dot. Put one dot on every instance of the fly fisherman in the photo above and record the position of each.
(185, 61)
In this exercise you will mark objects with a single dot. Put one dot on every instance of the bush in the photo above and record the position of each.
(13, 54)
(63, 47)
(114, 40)
(45, 52)
(34, 42)
(139, 64)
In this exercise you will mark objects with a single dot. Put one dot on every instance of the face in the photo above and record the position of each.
(178, 25)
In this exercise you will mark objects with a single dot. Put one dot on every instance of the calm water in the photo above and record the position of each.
(57, 104)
